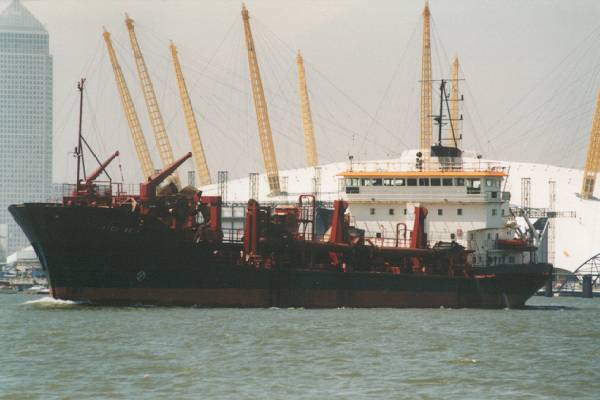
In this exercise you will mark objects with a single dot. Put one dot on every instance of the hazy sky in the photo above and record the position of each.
(531, 72)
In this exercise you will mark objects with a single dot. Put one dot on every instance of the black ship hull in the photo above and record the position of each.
(115, 256)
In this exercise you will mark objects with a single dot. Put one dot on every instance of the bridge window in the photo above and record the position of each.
(391, 211)
(388, 182)
(399, 182)
(377, 182)
(473, 186)
(492, 182)
(440, 211)
(366, 182)
(447, 182)
(411, 182)
(423, 181)
(494, 195)
(372, 211)
(494, 211)
(405, 211)
(460, 182)
(435, 182)
(459, 211)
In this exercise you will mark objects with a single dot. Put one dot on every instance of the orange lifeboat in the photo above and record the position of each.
(513, 244)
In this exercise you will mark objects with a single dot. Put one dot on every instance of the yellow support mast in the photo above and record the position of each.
(592, 162)
(310, 145)
(454, 99)
(158, 126)
(190, 119)
(426, 84)
(139, 141)
(260, 105)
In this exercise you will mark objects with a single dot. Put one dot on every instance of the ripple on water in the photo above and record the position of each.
(68, 350)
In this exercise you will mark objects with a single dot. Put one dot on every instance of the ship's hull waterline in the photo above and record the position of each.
(114, 256)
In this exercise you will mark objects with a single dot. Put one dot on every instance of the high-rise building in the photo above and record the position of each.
(25, 116)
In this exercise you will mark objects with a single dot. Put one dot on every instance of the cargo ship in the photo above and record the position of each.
(452, 245)
(453, 242)
(106, 247)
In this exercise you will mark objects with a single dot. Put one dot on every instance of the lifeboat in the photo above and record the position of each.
(513, 244)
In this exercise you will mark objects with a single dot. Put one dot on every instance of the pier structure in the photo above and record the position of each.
(582, 281)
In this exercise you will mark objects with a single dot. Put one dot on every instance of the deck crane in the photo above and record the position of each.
(262, 114)
(158, 126)
(310, 145)
(592, 162)
(139, 141)
(426, 84)
(202, 171)
(454, 99)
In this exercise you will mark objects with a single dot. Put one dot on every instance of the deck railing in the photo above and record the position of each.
(395, 166)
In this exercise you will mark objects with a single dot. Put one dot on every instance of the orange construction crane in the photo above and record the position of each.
(454, 99)
(310, 145)
(139, 141)
(262, 114)
(426, 99)
(592, 162)
(190, 119)
(158, 126)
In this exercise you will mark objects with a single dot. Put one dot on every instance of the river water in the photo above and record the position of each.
(53, 349)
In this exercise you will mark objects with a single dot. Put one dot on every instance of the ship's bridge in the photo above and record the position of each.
(449, 182)
(460, 197)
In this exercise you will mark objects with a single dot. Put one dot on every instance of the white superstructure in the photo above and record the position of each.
(459, 197)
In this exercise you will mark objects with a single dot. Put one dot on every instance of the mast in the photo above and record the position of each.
(592, 162)
(202, 171)
(454, 116)
(426, 88)
(139, 141)
(440, 117)
(310, 146)
(79, 150)
(260, 105)
(158, 126)
(439, 149)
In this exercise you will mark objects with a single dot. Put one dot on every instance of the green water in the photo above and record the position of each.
(56, 350)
